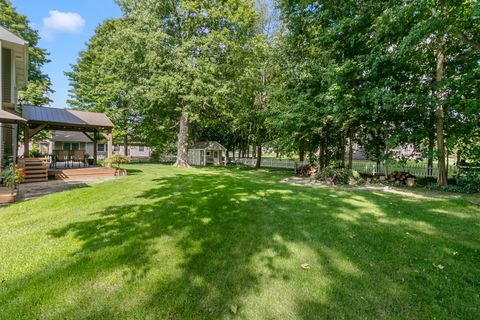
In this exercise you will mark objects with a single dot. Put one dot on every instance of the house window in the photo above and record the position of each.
(66, 146)
(75, 146)
(141, 148)
(101, 147)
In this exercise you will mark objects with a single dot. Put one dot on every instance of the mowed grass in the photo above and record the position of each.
(219, 243)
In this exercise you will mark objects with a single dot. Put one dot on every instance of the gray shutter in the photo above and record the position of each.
(6, 75)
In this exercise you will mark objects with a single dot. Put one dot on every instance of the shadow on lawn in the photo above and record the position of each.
(231, 234)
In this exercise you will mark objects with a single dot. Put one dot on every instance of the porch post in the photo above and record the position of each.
(95, 148)
(26, 141)
(109, 144)
(14, 160)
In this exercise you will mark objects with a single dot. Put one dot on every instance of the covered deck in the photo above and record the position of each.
(95, 126)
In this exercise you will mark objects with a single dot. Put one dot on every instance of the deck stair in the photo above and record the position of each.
(36, 169)
(64, 174)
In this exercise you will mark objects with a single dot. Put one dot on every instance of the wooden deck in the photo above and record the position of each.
(94, 172)
(36, 169)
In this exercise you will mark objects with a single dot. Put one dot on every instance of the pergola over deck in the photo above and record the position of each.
(92, 124)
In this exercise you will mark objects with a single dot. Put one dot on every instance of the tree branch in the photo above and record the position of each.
(470, 42)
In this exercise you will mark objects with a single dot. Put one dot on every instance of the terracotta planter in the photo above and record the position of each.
(410, 182)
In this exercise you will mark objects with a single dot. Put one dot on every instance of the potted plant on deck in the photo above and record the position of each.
(88, 159)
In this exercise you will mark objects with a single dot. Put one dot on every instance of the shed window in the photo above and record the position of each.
(141, 148)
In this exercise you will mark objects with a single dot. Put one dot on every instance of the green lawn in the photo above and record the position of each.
(203, 243)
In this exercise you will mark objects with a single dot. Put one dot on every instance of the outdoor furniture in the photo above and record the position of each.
(78, 156)
(61, 156)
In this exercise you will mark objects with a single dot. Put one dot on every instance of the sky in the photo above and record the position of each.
(65, 26)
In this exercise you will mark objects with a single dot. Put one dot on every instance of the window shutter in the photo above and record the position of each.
(6, 75)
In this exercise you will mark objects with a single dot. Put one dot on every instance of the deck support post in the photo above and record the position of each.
(95, 148)
(109, 145)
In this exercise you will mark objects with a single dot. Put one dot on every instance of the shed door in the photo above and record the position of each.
(202, 157)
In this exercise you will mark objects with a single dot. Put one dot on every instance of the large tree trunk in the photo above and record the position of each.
(125, 145)
(259, 156)
(182, 151)
(439, 112)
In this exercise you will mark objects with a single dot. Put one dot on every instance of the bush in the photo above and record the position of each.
(19, 175)
(337, 176)
(117, 160)
(468, 182)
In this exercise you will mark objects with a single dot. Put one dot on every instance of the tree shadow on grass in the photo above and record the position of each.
(202, 246)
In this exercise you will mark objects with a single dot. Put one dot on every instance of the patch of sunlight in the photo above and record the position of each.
(339, 262)
(419, 226)
(245, 197)
(273, 191)
(205, 220)
(457, 214)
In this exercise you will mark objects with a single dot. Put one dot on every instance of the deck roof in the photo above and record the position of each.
(64, 119)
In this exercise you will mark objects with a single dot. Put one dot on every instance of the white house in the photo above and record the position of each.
(71, 141)
(205, 153)
(13, 76)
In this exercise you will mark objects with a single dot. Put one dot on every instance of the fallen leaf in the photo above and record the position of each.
(306, 266)
(439, 266)
(234, 308)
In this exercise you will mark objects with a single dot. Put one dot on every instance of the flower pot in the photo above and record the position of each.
(90, 162)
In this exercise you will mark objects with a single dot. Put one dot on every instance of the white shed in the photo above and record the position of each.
(207, 153)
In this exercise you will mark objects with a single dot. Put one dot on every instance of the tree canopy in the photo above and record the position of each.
(311, 77)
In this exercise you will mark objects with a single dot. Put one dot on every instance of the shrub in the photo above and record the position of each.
(336, 175)
(469, 182)
(117, 160)
(19, 175)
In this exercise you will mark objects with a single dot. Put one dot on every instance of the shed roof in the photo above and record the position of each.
(66, 119)
(6, 35)
(8, 117)
(207, 145)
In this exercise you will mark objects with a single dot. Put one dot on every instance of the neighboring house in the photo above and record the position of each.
(13, 76)
(71, 141)
(205, 153)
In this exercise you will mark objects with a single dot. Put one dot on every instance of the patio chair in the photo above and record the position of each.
(61, 156)
(78, 156)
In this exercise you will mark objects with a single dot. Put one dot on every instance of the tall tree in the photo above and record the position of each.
(194, 51)
(102, 79)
